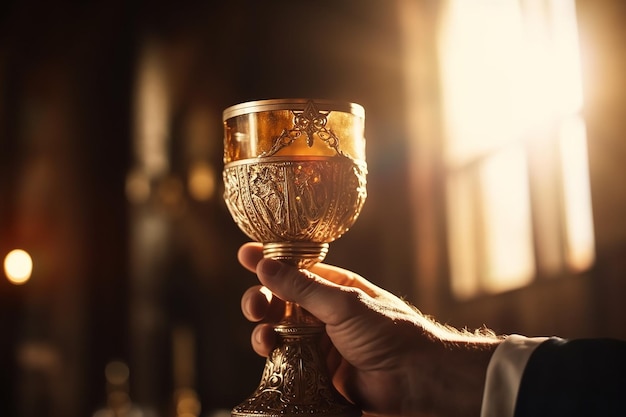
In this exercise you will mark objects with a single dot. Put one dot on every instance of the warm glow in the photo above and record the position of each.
(577, 195)
(478, 45)
(18, 266)
(187, 403)
(506, 71)
(201, 182)
(151, 113)
(511, 77)
(462, 238)
(138, 187)
(496, 253)
(509, 259)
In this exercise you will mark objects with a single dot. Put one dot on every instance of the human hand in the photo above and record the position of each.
(385, 356)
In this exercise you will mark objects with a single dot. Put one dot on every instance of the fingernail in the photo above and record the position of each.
(257, 336)
(270, 267)
(245, 307)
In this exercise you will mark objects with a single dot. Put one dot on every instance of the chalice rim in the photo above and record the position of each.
(257, 106)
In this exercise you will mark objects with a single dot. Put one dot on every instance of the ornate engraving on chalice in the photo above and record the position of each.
(297, 205)
(295, 180)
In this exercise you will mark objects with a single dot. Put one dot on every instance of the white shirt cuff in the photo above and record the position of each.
(504, 375)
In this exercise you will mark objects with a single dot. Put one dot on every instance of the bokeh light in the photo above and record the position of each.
(202, 181)
(18, 266)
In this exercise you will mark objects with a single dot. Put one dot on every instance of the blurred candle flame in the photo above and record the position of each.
(18, 266)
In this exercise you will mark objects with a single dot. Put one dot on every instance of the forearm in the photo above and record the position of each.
(459, 382)
(449, 368)
(447, 378)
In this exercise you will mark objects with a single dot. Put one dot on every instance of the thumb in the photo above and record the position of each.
(329, 302)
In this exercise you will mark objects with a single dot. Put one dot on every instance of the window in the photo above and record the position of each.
(517, 186)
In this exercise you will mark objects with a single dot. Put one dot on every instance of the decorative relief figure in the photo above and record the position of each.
(267, 192)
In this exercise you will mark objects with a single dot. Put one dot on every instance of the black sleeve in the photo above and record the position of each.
(584, 377)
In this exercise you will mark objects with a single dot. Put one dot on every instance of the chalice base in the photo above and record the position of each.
(295, 381)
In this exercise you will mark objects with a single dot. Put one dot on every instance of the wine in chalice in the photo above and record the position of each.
(295, 180)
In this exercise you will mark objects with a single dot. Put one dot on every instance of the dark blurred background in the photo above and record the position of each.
(110, 178)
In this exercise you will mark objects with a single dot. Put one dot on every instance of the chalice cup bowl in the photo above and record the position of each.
(295, 180)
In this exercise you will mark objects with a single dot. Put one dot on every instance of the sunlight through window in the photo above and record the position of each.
(509, 259)
(577, 195)
(510, 77)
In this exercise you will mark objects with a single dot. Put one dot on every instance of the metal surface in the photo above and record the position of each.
(291, 203)
(291, 104)
(295, 380)
(295, 180)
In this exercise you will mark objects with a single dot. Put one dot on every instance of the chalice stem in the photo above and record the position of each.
(296, 315)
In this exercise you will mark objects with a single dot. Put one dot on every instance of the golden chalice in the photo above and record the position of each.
(295, 180)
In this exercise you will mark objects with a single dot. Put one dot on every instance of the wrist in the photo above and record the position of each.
(461, 375)
(447, 377)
